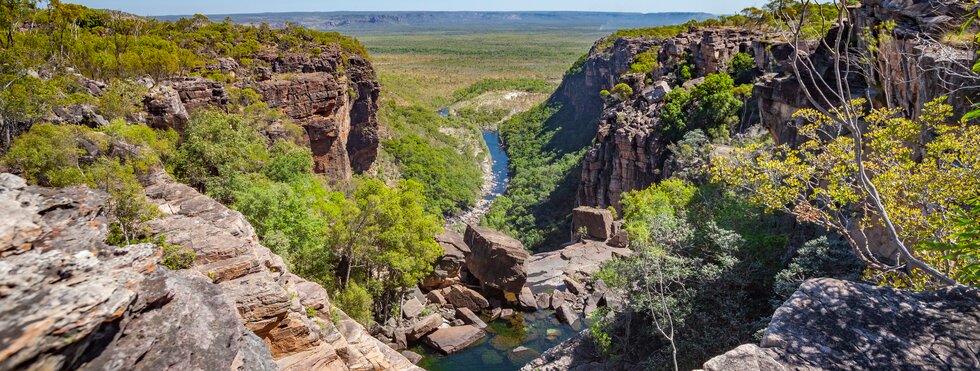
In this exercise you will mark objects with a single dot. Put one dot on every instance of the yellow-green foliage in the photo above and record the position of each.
(645, 62)
(177, 257)
(108, 160)
(922, 180)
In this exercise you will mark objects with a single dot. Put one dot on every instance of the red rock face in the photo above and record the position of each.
(333, 96)
(629, 148)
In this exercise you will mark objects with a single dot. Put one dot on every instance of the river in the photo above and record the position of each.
(495, 180)
(509, 343)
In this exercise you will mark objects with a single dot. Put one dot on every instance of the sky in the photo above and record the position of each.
(180, 7)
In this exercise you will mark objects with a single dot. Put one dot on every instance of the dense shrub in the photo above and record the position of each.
(703, 255)
(108, 160)
(821, 257)
(356, 302)
(711, 106)
(742, 68)
(217, 150)
(645, 62)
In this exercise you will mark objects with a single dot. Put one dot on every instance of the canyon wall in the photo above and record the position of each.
(910, 68)
(333, 96)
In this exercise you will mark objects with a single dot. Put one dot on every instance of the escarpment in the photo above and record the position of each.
(909, 66)
(903, 64)
(332, 95)
(293, 316)
(73, 301)
(630, 146)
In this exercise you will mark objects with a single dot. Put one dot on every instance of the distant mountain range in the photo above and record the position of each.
(386, 22)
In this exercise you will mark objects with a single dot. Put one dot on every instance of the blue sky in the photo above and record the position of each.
(171, 7)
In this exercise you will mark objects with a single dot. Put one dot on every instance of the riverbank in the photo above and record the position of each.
(495, 179)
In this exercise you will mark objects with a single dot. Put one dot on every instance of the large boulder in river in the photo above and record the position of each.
(833, 324)
(596, 223)
(462, 297)
(453, 339)
(496, 259)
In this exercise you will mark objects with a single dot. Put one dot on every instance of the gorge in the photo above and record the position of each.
(791, 187)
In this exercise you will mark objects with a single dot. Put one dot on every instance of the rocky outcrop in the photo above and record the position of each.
(332, 95)
(270, 301)
(69, 301)
(630, 145)
(911, 66)
(497, 260)
(447, 270)
(833, 324)
(592, 223)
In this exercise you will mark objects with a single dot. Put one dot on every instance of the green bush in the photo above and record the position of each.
(65, 155)
(177, 257)
(742, 68)
(120, 99)
(217, 150)
(356, 301)
(645, 62)
(622, 91)
(817, 258)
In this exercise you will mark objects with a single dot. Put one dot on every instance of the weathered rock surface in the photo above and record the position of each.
(69, 301)
(270, 301)
(547, 271)
(447, 269)
(497, 260)
(575, 354)
(453, 339)
(470, 318)
(833, 324)
(462, 297)
(425, 326)
(597, 223)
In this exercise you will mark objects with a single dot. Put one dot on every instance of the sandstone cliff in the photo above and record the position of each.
(71, 301)
(333, 95)
(910, 68)
(630, 145)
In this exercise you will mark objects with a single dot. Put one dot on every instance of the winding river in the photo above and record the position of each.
(510, 343)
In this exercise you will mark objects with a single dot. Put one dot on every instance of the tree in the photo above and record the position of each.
(741, 68)
(836, 114)
(897, 176)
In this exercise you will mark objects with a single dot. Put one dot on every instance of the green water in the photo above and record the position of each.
(538, 331)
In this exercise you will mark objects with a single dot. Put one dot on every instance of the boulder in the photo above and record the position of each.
(526, 299)
(834, 324)
(522, 355)
(596, 223)
(470, 318)
(435, 297)
(506, 313)
(462, 297)
(496, 259)
(411, 308)
(413, 357)
(574, 286)
(453, 339)
(557, 299)
(543, 301)
(566, 314)
(425, 326)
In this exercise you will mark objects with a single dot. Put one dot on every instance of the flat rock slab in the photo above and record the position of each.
(834, 324)
(546, 271)
(453, 339)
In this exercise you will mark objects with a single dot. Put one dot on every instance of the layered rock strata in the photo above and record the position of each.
(69, 301)
(271, 302)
